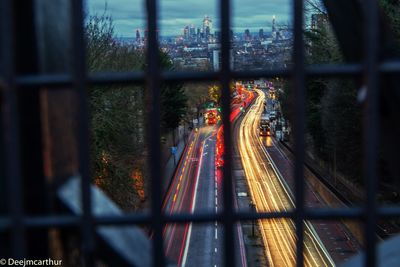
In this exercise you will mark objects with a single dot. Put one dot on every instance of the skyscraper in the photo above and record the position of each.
(137, 36)
(261, 34)
(207, 27)
(273, 24)
(192, 32)
(247, 36)
(186, 33)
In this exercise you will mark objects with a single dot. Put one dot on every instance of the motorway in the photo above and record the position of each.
(270, 192)
(182, 194)
(197, 187)
(340, 244)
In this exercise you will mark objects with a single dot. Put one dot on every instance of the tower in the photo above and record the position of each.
(273, 24)
(137, 36)
(247, 36)
(261, 34)
(207, 27)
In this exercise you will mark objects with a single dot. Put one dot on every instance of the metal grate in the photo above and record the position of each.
(17, 223)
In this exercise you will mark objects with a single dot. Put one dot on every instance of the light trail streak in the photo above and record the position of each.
(270, 193)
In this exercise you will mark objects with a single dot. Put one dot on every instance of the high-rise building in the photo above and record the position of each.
(137, 36)
(216, 59)
(207, 27)
(273, 24)
(261, 34)
(186, 33)
(247, 36)
(198, 35)
(192, 32)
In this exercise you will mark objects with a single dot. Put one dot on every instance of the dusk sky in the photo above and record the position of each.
(129, 15)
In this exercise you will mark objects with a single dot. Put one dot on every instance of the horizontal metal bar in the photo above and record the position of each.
(107, 78)
(143, 218)
(389, 67)
(47, 80)
(389, 212)
(334, 70)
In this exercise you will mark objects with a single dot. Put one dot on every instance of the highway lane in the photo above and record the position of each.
(270, 193)
(204, 246)
(197, 186)
(337, 240)
(180, 197)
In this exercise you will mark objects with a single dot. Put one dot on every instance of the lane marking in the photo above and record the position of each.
(193, 204)
(216, 250)
(216, 233)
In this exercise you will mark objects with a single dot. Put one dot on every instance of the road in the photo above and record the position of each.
(334, 235)
(270, 192)
(197, 187)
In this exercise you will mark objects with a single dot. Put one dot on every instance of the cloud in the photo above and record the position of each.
(174, 15)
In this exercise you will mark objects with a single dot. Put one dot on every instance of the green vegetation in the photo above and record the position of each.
(118, 113)
(334, 116)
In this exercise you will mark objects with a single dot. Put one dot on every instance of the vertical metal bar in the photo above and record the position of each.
(299, 108)
(225, 79)
(371, 127)
(11, 131)
(153, 78)
(79, 76)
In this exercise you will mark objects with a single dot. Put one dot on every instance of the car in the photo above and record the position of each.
(265, 131)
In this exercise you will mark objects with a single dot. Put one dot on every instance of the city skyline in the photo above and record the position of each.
(129, 15)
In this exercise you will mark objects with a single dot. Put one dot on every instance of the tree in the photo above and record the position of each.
(214, 93)
(118, 148)
(117, 141)
(173, 98)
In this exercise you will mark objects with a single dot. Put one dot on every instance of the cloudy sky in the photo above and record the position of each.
(129, 15)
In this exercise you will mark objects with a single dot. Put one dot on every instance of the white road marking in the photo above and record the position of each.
(192, 209)
(216, 250)
(216, 233)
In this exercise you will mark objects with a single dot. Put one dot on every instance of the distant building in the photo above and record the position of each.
(273, 24)
(186, 33)
(247, 36)
(274, 31)
(261, 34)
(216, 59)
(192, 32)
(138, 36)
(207, 28)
